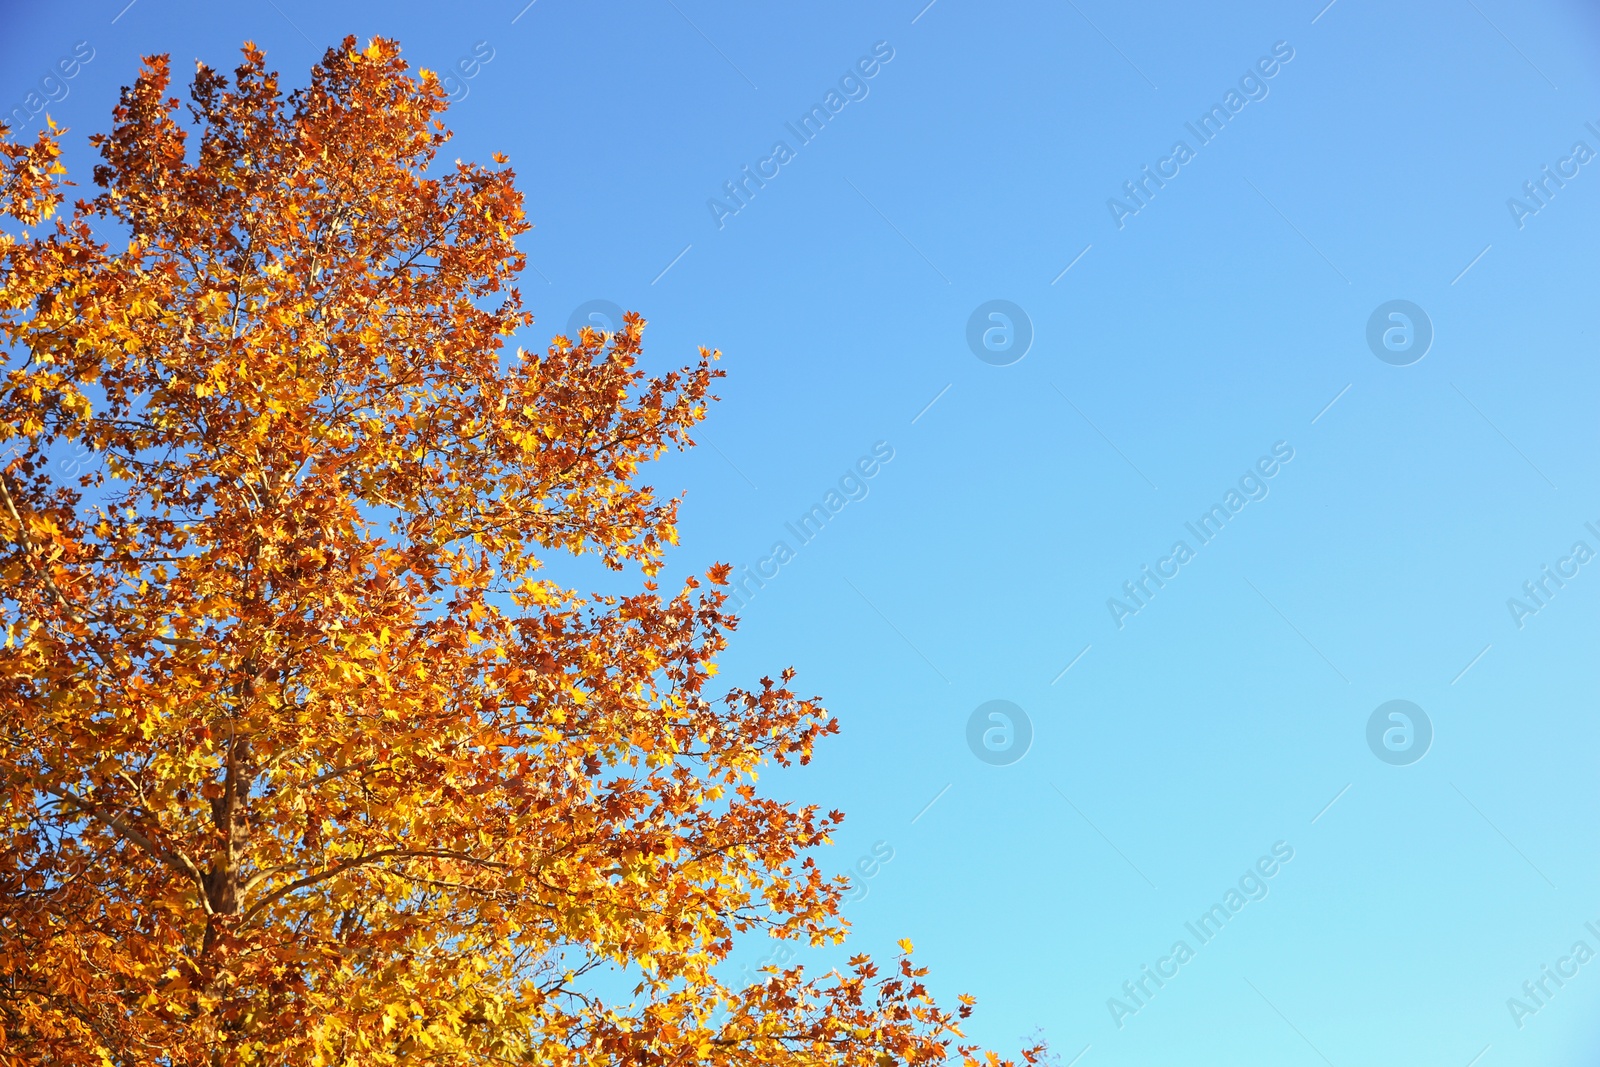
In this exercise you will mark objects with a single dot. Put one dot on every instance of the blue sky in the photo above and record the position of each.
(1226, 318)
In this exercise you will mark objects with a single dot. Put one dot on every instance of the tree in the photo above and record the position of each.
(305, 760)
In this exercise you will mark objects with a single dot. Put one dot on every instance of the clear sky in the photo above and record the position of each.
(1398, 471)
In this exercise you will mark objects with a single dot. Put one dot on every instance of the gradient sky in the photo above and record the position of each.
(1219, 321)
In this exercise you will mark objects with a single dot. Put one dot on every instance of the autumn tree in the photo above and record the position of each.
(306, 759)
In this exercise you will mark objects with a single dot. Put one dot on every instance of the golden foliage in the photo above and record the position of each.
(305, 760)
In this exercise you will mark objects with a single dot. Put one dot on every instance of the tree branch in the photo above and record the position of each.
(170, 857)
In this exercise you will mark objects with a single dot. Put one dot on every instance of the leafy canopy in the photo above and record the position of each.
(305, 761)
